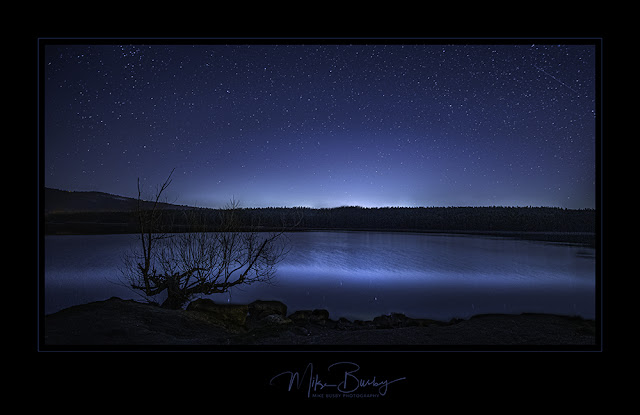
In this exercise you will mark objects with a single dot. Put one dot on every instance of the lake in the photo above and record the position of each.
(360, 275)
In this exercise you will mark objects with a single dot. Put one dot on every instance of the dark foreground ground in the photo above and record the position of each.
(129, 323)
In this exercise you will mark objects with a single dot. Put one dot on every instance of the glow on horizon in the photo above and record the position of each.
(325, 125)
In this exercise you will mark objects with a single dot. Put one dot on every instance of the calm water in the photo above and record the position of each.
(360, 275)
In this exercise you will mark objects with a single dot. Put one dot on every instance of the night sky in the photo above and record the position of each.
(324, 125)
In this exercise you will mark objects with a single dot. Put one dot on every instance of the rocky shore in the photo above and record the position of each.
(205, 323)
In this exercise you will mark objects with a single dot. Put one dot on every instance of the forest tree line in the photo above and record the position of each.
(481, 219)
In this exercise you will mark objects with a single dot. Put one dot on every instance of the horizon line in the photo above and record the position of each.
(334, 207)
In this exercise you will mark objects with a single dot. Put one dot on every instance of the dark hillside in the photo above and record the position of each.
(59, 201)
(62, 201)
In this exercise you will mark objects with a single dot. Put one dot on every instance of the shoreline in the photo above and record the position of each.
(586, 239)
(127, 323)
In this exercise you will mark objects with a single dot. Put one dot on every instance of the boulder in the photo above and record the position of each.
(300, 331)
(343, 324)
(300, 316)
(261, 309)
(225, 314)
(317, 316)
(390, 321)
(276, 320)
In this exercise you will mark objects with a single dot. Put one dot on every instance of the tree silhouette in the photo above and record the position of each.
(199, 261)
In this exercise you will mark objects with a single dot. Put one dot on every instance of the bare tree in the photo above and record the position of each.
(206, 258)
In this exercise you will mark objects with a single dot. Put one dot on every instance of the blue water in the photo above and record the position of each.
(360, 275)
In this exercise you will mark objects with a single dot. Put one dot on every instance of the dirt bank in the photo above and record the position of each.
(129, 323)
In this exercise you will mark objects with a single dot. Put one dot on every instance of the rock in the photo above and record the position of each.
(226, 314)
(300, 316)
(127, 322)
(300, 331)
(261, 309)
(344, 324)
(276, 320)
(202, 304)
(425, 322)
(390, 321)
(317, 316)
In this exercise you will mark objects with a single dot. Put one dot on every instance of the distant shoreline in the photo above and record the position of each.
(98, 213)
(587, 239)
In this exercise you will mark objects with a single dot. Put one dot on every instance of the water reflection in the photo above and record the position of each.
(359, 275)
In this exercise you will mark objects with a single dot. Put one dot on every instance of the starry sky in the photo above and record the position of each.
(323, 124)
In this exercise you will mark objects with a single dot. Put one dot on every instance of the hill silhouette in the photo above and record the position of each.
(63, 201)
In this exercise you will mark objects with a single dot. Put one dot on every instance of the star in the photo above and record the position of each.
(421, 121)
